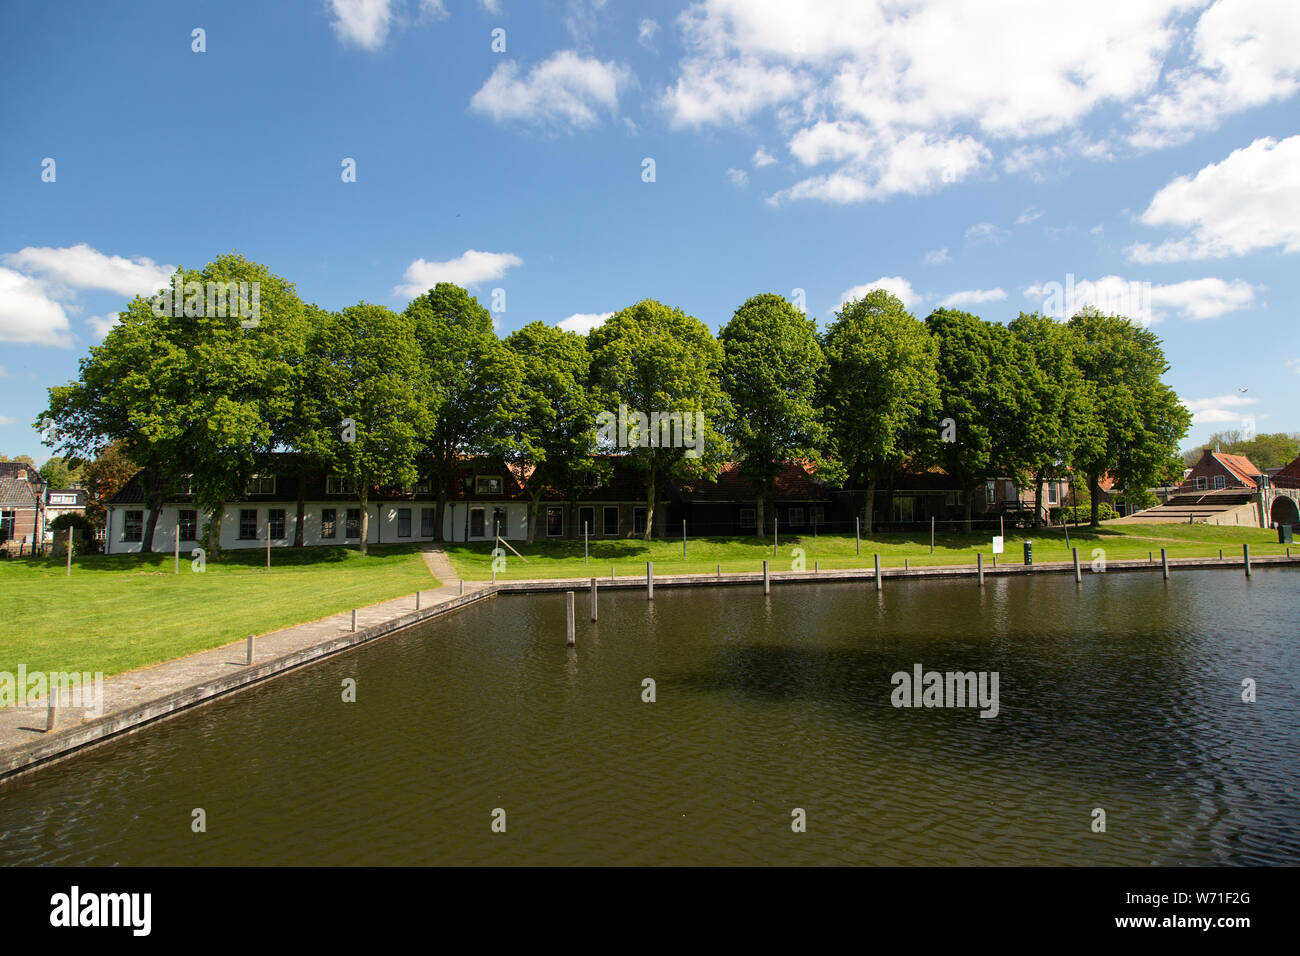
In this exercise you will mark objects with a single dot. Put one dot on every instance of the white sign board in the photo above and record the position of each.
(997, 544)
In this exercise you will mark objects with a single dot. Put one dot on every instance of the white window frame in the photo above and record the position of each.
(479, 490)
(256, 485)
(339, 485)
(1220, 483)
(749, 517)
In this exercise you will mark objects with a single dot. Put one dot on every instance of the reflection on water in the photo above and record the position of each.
(1122, 694)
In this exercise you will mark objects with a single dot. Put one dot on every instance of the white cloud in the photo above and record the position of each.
(366, 23)
(28, 314)
(763, 158)
(467, 269)
(1249, 201)
(1031, 214)
(1290, 363)
(583, 322)
(6, 420)
(100, 324)
(491, 6)
(937, 256)
(1143, 302)
(738, 177)
(852, 80)
(81, 267)
(565, 91)
(983, 232)
(1245, 53)
(972, 297)
(646, 31)
(894, 285)
(1221, 408)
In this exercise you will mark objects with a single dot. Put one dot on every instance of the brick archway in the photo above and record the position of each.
(1284, 511)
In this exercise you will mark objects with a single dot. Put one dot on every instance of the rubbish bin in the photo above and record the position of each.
(1284, 533)
(1029, 552)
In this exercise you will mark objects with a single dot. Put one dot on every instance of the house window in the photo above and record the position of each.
(334, 485)
(419, 488)
(818, 515)
(426, 522)
(1219, 482)
(132, 526)
(587, 520)
(329, 523)
(1200, 483)
(403, 522)
(487, 485)
(189, 524)
(611, 519)
(247, 524)
(796, 517)
(990, 492)
(1010, 492)
(260, 485)
(499, 522)
(554, 522)
(185, 486)
(748, 517)
(352, 529)
(476, 525)
(953, 499)
(638, 520)
(1053, 495)
(275, 517)
(7, 520)
(63, 499)
(904, 509)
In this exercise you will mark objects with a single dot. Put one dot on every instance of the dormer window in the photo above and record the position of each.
(260, 485)
(336, 485)
(487, 484)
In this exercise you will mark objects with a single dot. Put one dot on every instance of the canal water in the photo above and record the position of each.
(1123, 694)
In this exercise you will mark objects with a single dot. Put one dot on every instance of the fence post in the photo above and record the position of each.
(878, 584)
(354, 619)
(569, 631)
(52, 709)
(857, 535)
(767, 584)
(70, 536)
(776, 535)
(593, 599)
(249, 651)
(932, 534)
(586, 555)
(649, 580)
(979, 567)
(683, 539)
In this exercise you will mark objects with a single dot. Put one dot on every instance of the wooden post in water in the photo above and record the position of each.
(767, 584)
(176, 569)
(1245, 557)
(979, 567)
(878, 583)
(593, 600)
(248, 651)
(1164, 562)
(570, 635)
(1078, 576)
(649, 580)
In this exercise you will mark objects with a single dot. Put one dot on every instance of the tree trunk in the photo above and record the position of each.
(440, 510)
(650, 508)
(870, 503)
(214, 528)
(363, 494)
(1094, 492)
(153, 501)
(970, 507)
(758, 526)
(302, 510)
(1039, 484)
(533, 500)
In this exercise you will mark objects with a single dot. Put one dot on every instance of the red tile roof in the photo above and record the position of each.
(1241, 467)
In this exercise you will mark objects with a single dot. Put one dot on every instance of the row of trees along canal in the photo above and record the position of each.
(203, 396)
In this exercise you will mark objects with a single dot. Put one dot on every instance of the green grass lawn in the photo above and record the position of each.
(119, 612)
(558, 559)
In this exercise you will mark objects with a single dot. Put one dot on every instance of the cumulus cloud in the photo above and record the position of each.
(763, 158)
(1249, 201)
(738, 177)
(565, 91)
(1220, 408)
(972, 297)
(1032, 214)
(583, 322)
(366, 23)
(28, 314)
(895, 285)
(100, 324)
(81, 267)
(1143, 302)
(937, 256)
(983, 232)
(646, 31)
(467, 269)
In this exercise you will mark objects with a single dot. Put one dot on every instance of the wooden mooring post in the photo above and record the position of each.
(767, 583)
(248, 651)
(354, 619)
(979, 568)
(878, 581)
(593, 600)
(51, 710)
(1245, 558)
(570, 633)
(1078, 575)
(649, 580)
(1164, 562)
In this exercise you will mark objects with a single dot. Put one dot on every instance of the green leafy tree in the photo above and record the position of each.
(1265, 450)
(979, 388)
(474, 383)
(772, 368)
(552, 438)
(881, 390)
(1057, 407)
(104, 476)
(649, 359)
(1141, 420)
(366, 400)
(61, 472)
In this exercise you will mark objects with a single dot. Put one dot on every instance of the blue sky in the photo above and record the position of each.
(981, 154)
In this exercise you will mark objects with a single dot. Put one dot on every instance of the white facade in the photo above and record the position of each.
(388, 521)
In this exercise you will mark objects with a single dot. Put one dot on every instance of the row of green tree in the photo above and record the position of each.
(392, 399)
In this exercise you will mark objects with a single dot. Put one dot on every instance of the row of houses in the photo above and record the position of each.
(28, 505)
(485, 497)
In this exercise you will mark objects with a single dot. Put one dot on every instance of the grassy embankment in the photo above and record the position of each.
(124, 611)
(558, 559)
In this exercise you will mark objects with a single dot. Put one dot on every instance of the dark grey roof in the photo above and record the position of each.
(15, 493)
